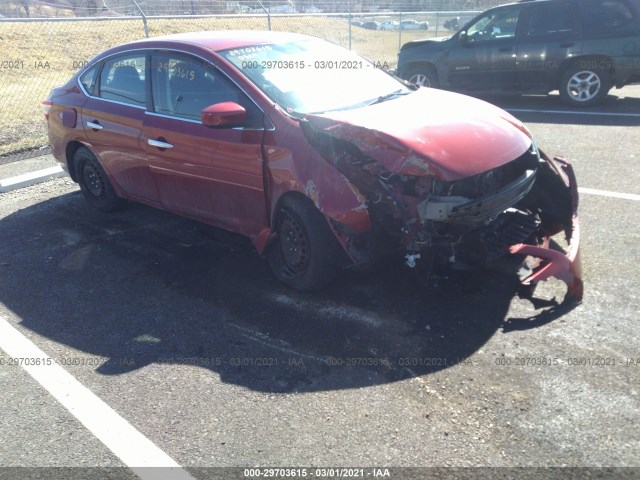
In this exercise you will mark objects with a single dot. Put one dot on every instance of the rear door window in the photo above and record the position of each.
(550, 19)
(122, 80)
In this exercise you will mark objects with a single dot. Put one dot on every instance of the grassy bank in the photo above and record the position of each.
(35, 57)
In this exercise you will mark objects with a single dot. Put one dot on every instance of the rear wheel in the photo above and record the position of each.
(305, 253)
(94, 182)
(584, 87)
(425, 76)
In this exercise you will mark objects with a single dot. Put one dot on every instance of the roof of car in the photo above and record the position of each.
(217, 40)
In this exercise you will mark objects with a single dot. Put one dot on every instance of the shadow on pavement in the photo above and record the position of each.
(615, 111)
(142, 286)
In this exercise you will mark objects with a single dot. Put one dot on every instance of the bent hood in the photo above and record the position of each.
(430, 132)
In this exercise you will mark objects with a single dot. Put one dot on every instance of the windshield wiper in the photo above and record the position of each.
(388, 96)
(366, 103)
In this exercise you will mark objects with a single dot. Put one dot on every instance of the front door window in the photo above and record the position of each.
(498, 24)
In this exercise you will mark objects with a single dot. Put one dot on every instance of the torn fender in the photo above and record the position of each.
(304, 171)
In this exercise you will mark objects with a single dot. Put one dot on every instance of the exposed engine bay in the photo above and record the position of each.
(465, 223)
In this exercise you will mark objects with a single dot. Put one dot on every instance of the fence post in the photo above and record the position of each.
(350, 22)
(144, 20)
(268, 12)
(437, 21)
(400, 32)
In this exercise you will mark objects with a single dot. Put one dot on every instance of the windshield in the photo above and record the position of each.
(313, 76)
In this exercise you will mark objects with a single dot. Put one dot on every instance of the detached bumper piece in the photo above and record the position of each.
(547, 262)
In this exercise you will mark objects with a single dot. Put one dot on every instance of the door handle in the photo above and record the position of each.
(158, 143)
(94, 125)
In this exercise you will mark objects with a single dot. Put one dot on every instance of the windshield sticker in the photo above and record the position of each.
(250, 50)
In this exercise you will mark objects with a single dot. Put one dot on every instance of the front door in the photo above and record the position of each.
(213, 174)
(484, 58)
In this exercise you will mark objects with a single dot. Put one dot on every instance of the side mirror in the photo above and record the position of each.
(225, 114)
(462, 37)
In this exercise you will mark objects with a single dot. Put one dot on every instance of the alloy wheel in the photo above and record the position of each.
(584, 86)
(420, 79)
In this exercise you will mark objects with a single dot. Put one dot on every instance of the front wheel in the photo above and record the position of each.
(423, 76)
(94, 182)
(584, 87)
(305, 254)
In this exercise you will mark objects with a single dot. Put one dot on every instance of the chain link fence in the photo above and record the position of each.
(39, 54)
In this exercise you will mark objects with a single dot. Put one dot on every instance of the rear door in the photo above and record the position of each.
(112, 119)
(549, 33)
(212, 174)
(612, 29)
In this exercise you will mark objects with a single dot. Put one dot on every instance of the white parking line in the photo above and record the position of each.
(31, 178)
(606, 193)
(134, 449)
(573, 112)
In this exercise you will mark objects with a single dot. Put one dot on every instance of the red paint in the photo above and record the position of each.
(454, 136)
(566, 267)
(223, 114)
(234, 178)
(262, 239)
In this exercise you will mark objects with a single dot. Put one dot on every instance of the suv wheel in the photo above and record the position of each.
(423, 75)
(584, 87)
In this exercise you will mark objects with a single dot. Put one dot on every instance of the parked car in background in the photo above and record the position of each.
(314, 153)
(413, 25)
(389, 25)
(582, 48)
(453, 24)
(356, 23)
(371, 25)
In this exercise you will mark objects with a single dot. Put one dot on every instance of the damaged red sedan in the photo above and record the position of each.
(315, 154)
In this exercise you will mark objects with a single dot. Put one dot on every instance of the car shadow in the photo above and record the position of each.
(615, 111)
(143, 286)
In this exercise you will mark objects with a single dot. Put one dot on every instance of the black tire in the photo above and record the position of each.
(305, 254)
(94, 183)
(423, 75)
(584, 85)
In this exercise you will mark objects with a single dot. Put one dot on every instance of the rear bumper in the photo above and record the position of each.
(549, 262)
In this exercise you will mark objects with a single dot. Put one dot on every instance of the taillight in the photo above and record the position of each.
(46, 107)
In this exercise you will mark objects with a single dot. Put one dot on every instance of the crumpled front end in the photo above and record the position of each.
(512, 209)
(542, 261)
